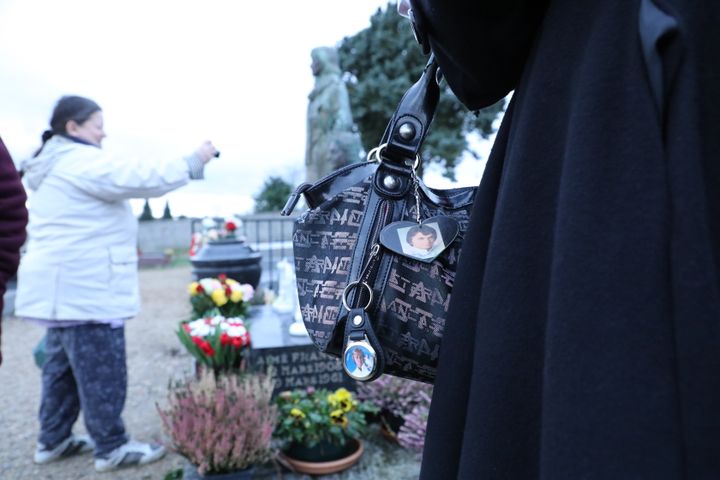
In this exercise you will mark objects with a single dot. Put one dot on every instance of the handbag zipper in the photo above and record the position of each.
(368, 272)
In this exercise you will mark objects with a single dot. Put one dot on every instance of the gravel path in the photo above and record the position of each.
(154, 356)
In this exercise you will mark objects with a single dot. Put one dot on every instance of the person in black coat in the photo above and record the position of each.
(13, 219)
(583, 339)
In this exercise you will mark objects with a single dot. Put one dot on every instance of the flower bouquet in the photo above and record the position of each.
(220, 296)
(219, 229)
(214, 230)
(216, 342)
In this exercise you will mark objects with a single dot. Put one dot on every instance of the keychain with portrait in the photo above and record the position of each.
(422, 240)
(359, 359)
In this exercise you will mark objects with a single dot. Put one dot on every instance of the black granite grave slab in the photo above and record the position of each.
(297, 362)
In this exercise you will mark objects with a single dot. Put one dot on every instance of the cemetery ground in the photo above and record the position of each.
(154, 356)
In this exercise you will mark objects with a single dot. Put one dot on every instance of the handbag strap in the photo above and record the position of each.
(409, 124)
(401, 141)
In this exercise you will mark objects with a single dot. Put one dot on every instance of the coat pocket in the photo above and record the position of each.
(37, 289)
(123, 271)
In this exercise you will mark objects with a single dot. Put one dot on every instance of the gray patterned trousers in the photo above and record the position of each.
(84, 369)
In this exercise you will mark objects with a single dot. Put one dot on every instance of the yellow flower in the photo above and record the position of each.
(297, 413)
(338, 418)
(236, 296)
(218, 296)
(342, 398)
(192, 288)
(346, 405)
(343, 394)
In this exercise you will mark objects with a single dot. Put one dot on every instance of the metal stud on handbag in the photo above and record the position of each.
(376, 253)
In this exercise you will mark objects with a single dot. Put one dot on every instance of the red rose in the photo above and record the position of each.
(230, 226)
(199, 289)
(225, 339)
(198, 341)
(222, 277)
(228, 290)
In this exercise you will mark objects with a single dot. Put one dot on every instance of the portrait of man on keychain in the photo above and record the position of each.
(359, 362)
(421, 241)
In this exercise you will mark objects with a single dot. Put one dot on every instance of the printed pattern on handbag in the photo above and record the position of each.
(410, 320)
(324, 241)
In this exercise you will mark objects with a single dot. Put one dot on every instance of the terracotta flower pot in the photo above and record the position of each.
(390, 425)
(322, 466)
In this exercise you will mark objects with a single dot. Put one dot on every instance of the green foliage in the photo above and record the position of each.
(166, 213)
(146, 214)
(175, 474)
(273, 196)
(380, 63)
(309, 416)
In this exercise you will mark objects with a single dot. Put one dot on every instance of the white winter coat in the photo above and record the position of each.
(81, 256)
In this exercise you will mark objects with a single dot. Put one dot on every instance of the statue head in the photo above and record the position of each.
(325, 61)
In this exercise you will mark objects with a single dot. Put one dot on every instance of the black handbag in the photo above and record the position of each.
(376, 252)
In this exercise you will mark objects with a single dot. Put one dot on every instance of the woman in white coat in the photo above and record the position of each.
(79, 278)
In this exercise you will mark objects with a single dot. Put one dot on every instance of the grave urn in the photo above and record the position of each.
(233, 257)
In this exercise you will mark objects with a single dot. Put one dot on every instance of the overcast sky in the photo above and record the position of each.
(172, 73)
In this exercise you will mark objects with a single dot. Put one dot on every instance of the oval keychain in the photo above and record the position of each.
(359, 359)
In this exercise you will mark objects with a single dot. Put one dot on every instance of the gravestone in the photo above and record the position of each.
(296, 360)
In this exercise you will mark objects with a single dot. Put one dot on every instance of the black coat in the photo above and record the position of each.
(583, 339)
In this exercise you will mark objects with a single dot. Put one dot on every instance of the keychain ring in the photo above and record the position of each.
(352, 285)
(377, 153)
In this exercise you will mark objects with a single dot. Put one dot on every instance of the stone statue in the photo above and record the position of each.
(332, 140)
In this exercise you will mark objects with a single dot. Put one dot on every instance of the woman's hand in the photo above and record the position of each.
(206, 151)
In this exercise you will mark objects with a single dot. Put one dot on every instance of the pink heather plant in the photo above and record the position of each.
(221, 424)
(394, 395)
(412, 431)
(404, 405)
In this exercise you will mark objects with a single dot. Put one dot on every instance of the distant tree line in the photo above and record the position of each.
(147, 215)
